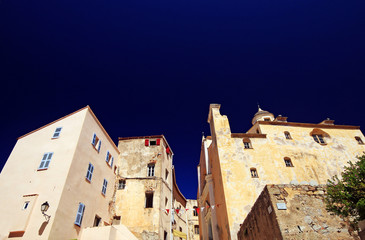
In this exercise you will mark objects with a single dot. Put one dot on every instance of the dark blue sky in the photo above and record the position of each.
(153, 67)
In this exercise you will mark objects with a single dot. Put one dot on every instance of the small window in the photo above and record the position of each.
(151, 170)
(26, 204)
(287, 135)
(195, 212)
(359, 140)
(121, 184)
(247, 143)
(318, 138)
(166, 201)
(166, 174)
(196, 229)
(80, 214)
(89, 172)
(96, 142)
(57, 132)
(97, 221)
(109, 159)
(164, 235)
(103, 189)
(267, 119)
(149, 199)
(153, 142)
(254, 173)
(45, 161)
(288, 162)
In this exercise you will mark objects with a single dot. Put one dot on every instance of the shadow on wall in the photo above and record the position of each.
(43, 226)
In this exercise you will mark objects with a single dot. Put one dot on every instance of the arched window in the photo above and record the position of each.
(288, 162)
(151, 170)
(318, 136)
(287, 135)
(247, 143)
(254, 173)
(359, 140)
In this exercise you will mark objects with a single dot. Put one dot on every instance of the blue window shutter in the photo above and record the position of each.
(90, 171)
(111, 164)
(94, 138)
(45, 161)
(80, 214)
(99, 146)
(107, 157)
(105, 184)
(57, 132)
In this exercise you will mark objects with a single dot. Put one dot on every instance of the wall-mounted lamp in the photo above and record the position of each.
(44, 208)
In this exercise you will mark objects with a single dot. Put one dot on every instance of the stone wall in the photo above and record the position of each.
(298, 211)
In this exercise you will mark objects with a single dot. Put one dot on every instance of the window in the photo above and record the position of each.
(254, 173)
(80, 214)
(267, 119)
(105, 184)
(247, 143)
(89, 172)
(318, 138)
(97, 221)
(57, 132)
(96, 142)
(196, 229)
(288, 162)
(180, 228)
(287, 135)
(155, 142)
(121, 184)
(149, 199)
(151, 170)
(359, 140)
(45, 161)
(26, 204)
(195, 212)
(164, 235)
(166, 174)
(166, 201)
(109, 159)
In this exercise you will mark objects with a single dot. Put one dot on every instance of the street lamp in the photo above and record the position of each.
(44, 208)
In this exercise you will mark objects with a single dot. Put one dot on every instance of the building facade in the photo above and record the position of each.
(234, 168)
(93, 190)
(147, 195)
(193, 221)
(68, 164)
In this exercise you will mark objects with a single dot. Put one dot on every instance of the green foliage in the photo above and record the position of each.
(346, 197)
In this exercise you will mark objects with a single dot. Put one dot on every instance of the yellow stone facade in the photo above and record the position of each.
(137, 157)
(235, 167)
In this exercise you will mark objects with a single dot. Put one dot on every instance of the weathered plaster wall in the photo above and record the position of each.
(305, 216)
(145, 223)
(192, 220)
(231, 163)
(261, 222)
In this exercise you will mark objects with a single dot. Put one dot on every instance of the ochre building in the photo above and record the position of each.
(234, 168)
